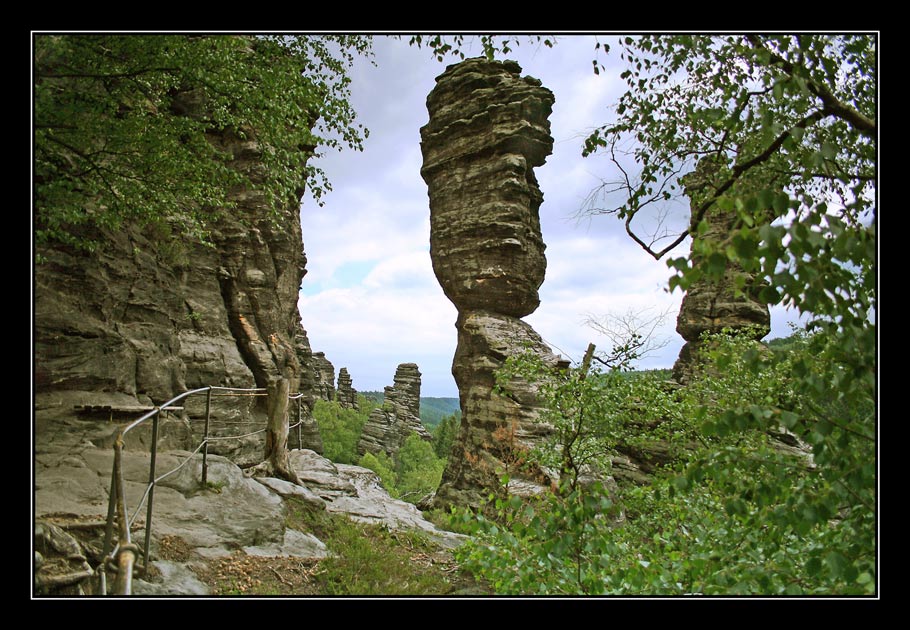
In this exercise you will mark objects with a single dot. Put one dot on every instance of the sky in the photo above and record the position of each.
(370, 300)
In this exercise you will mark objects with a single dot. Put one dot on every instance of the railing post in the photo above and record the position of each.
(109, 528)
(126, 554)
(148, 512)
(205, 438)
(299, 439)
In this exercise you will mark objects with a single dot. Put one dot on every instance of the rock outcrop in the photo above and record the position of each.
(389, 426)
(324, 373)
(487, 131)
(233, 512)
(711, 305)
(346, 395)
(151, 314)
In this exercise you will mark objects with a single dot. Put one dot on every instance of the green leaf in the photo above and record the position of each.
(814, 566)
(788, 419)
(716, 264)
(781, 203)
(770, 295)
(837, 564)
(766, 198)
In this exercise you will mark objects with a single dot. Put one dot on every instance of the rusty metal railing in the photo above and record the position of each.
(124, 554)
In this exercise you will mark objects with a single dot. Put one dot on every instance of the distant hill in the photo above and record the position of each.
(432, 409)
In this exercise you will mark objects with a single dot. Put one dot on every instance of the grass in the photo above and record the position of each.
(371, 560)
(368, 560)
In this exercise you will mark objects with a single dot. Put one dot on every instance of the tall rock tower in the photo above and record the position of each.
(712, 305)
(389, 426)
(488, 129)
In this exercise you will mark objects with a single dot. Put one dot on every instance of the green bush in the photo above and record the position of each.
(382, 465)
(739, 515)
(340, 428)
(444, 434)
(419, 469)
(413, 474)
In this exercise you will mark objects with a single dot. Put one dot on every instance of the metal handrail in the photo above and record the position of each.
(124, 552)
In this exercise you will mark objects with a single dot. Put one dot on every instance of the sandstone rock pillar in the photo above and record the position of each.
(711, 305)
(389, 426)
(346, 395)
(487, 131)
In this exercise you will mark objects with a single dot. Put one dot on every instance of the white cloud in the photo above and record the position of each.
(371, 300)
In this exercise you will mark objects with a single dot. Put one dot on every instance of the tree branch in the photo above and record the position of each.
(860, 122)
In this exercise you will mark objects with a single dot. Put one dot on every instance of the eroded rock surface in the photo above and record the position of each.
(487, 131)
(324, 373)
(389, 426)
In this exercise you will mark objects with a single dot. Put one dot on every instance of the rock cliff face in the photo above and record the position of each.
(346, 394)
(389, 426)
(324, 373)
(488, 129)
(307, 436)
(150, 315)
(710, 306)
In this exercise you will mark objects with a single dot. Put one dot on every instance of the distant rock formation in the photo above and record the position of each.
(389, 426)
(710, 306)
(346, 394)
(308, 435)
(488, 129)
(324, 373)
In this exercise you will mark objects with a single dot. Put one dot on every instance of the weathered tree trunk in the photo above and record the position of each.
(277, 461)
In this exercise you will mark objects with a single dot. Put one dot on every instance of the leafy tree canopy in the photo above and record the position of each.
(781, 133)
(795, 116)
(123, 124)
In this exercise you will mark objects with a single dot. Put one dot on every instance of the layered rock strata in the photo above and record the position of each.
(389, 426)
(487, 131)
(711, 305)
(151, 314)
(307, 435)
(324, 373)
(346, 395)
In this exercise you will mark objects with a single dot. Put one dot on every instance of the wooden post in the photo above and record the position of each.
(586, 361)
